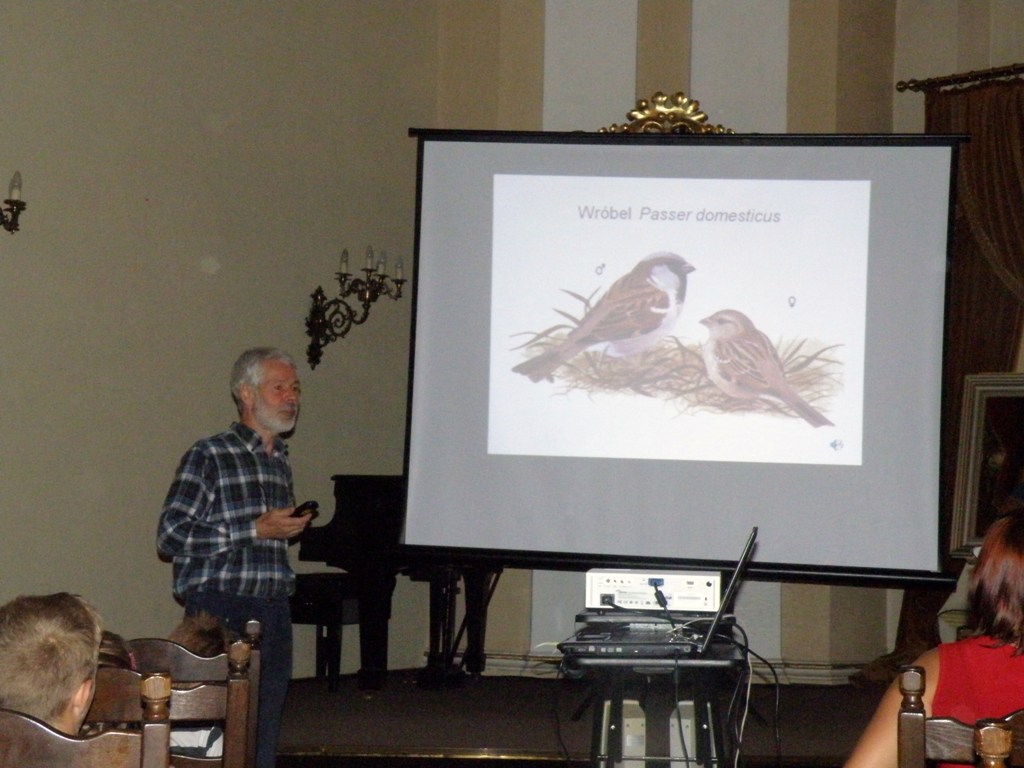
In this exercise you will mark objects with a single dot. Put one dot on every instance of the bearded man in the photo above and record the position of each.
(227, 520)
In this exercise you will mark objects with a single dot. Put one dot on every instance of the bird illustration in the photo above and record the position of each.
(637, 312)
(742, 362)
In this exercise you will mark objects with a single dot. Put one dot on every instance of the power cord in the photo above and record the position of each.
(777, 686)
(659, 596)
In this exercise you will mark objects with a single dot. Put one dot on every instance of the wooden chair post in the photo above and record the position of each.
(252, 636)
(236, 739)
(993, 741)
(156, 728)
(910, 739)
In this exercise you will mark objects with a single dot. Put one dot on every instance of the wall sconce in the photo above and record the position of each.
(15, 205)
(330, 320)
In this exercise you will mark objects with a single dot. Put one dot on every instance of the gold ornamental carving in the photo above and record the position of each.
(667, 114)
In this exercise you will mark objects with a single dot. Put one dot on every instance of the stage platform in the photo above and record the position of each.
(535, 721)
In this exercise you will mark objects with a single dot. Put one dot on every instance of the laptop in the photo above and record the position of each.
(639, 639)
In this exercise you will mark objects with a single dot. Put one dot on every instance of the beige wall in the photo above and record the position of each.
(491, 58)
(192, 171)
(840, 66)
(663, 47)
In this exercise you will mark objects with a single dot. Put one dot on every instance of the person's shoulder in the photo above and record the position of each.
(229, 438)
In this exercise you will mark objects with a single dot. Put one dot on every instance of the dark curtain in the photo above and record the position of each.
(986, 290)
(986, 296)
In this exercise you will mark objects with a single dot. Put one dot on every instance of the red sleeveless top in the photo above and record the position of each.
(978, 679)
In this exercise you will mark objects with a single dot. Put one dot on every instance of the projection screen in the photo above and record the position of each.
(630, 349)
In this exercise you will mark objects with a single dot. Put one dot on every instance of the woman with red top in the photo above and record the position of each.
(980, 676)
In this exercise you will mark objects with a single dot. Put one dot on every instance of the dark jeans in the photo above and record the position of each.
(275, 620)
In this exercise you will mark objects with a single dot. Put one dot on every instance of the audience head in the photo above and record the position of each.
(248, 369)
(114, 651)
(202, 634)
(997, 584)
(49, 649)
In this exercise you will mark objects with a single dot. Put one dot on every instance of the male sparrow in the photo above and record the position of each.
(637, 312)
(743, 363)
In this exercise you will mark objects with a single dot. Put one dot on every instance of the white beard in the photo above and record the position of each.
(272, 421)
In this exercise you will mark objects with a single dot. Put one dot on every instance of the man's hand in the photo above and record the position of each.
(279, 524)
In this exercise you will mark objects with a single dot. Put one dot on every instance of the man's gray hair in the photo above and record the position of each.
(248, 369)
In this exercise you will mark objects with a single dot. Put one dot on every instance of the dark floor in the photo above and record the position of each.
(535, 721)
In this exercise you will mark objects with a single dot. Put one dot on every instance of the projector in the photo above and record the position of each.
(686, 591)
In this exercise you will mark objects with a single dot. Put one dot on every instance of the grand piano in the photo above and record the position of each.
(363, 538)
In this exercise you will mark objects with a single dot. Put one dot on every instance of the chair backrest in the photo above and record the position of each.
(26, 742)
(152, 654)
(995, 742)
(222, 697)
(185, 666)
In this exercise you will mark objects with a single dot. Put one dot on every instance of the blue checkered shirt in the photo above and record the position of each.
(208, 524)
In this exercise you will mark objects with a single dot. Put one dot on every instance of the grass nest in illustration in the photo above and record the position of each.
(675, 372)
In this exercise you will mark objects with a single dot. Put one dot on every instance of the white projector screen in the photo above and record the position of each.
(770, 355)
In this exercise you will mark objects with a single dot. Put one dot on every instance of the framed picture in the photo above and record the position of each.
(990, 460)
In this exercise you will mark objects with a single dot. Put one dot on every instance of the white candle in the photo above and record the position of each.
(14, 190)
(369, 257)
(343, 265)
(398, 270)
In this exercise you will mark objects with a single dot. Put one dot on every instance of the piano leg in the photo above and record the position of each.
(328, 655)
(375, 585)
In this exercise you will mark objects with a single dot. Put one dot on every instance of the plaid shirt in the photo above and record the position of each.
(208, 524)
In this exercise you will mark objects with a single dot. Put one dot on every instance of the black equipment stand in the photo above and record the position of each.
(661, 679)
(480, 583)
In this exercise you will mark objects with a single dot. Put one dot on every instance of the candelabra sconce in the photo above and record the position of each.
(14, 205)
(332, 319)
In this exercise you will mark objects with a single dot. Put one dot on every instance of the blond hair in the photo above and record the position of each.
(49, 646)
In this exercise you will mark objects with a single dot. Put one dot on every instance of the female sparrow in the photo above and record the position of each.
(743, 363)
(637, 312)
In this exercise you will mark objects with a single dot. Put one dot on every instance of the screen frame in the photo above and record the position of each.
(573, 561)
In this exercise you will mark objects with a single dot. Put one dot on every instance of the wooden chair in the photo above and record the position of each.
(990, 742)
(26, 742)
(219, 692)
(152, 654)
